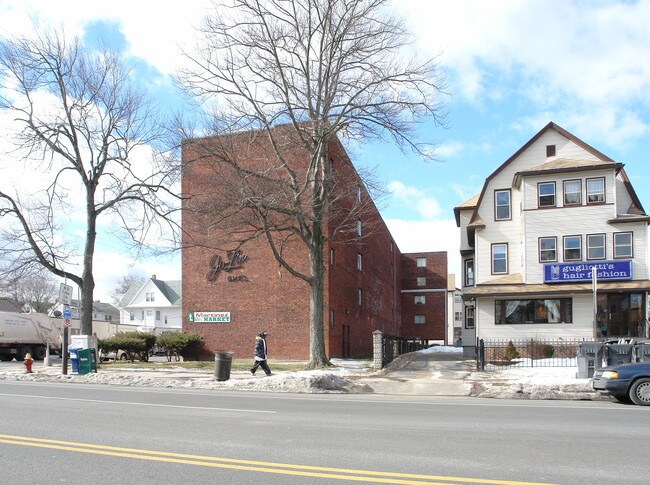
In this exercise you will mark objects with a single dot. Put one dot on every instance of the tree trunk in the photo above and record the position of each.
(87, 279)
(317, 356)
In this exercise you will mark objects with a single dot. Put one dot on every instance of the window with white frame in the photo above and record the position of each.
(150, 313)
(500, 258)
(595, 246)
(596, 191)
(469, 317)
(359, 193)
(469, 272)
(623, 245)
(422, 281)
(419, 319)
(546, 194)
(157, 315)
(422, 262)
(547, 249)
(150, 296)
(359, 262)
(131, 316)
(458, 316)
(572, 248)
(419, 299)
(572, 192)
(502, 205)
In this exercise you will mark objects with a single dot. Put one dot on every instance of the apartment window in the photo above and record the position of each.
(157, 315)
(359, 193)
(499, 258)
(546, 194)
(131, 316)
(547, 249)
(595, 246)
(572, 192)
(550, 150)
(623, 245)
(422, 262)
(501, 205)
(359, 262)
(419, 299)
(331, 318)
(359, 296)
(331, 165)
(419, 320)
(572, 248)
(422, 281)
(595, 191)
(150, 296)
(469, 272)
(469, 317)
(458, 316)
(359, 231)
(391, 246)
(331, 257)
(514, 312)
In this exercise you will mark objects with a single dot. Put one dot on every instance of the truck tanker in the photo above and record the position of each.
(22, 333)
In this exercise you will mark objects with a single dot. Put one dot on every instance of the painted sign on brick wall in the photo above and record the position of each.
(209, 317)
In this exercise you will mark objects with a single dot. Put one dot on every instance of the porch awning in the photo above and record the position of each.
(520, 290)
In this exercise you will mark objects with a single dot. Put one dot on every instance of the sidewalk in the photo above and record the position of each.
(419, 373)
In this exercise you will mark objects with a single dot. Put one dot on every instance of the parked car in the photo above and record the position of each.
(112, 355)
(626, 382)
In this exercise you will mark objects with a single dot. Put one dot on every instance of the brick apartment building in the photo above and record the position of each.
(231, 295)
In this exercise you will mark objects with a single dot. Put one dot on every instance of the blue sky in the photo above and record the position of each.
(511, 67)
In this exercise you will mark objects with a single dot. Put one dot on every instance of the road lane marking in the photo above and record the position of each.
(100, 401)
(367, 476)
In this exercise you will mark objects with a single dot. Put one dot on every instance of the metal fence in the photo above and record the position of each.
(492, 354)
(393, 347)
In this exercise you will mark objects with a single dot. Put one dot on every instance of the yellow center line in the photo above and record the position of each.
(367, 476)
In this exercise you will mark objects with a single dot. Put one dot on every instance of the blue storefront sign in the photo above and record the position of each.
(581, 272)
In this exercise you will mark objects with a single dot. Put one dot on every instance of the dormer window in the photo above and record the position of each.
(550, 150)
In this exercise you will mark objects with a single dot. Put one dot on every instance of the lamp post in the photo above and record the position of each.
(594, 286)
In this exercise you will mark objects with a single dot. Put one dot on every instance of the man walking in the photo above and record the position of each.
(261, 354)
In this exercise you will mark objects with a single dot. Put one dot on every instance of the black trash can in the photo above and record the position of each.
(222, 363)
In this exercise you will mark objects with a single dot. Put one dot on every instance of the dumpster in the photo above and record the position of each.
(590, 358)
(222, 363)
(619, 353)
(74, 360)
(87, 361)
(643, 352)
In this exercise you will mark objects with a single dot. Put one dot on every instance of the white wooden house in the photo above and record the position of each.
(544, 219)
(152, 306)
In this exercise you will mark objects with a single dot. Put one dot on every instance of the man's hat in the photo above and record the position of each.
(263, 334)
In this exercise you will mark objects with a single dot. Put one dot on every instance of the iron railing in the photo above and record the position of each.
(393, 347)
(492, 354)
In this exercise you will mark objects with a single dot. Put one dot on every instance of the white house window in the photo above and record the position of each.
(513, 312)
(150, 297)
(422, 262)
(419, 320)
(469, 272)
(142, 315)
(623, 245)
(131, 316)
(502, 205)
(359, 262)
(572, 248)
(547, 249)
(420, 299)
(546, 194)
(595, 191)
(499, 258)
(422, 281)
(595, 246)
(150, 313)
(157, 315)
(165, 320)
(469, 317)
(572, 192)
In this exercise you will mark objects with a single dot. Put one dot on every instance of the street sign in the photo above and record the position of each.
(66, 311)
(66, 322)
(65, 294)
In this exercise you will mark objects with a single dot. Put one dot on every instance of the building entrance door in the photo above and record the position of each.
(624, 314)
(345, 341)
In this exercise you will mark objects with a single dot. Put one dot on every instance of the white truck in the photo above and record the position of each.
(22, 333)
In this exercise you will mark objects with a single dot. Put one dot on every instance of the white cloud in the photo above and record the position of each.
(427, 207)
(449, 149)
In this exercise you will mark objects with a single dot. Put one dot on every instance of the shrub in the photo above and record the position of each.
(511, 352)
(133, 343)
(179, 343)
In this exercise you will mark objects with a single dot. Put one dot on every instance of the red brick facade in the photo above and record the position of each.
(365, 277)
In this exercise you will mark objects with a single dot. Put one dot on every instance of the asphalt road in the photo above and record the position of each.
(74, 433)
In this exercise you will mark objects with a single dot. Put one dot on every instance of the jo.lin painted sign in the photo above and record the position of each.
(209, 317)
(581, 272)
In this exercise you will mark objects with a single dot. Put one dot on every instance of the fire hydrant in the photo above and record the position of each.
(28, 363)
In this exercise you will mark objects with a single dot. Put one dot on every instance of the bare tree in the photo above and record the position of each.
(37, 291)
(79, 120)
(124, 283)
(303, 74)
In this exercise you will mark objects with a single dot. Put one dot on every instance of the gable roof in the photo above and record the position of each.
(9, 305)
(170, 290)
(604, 160)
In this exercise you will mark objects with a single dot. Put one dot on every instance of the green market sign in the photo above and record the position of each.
(209, 317)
